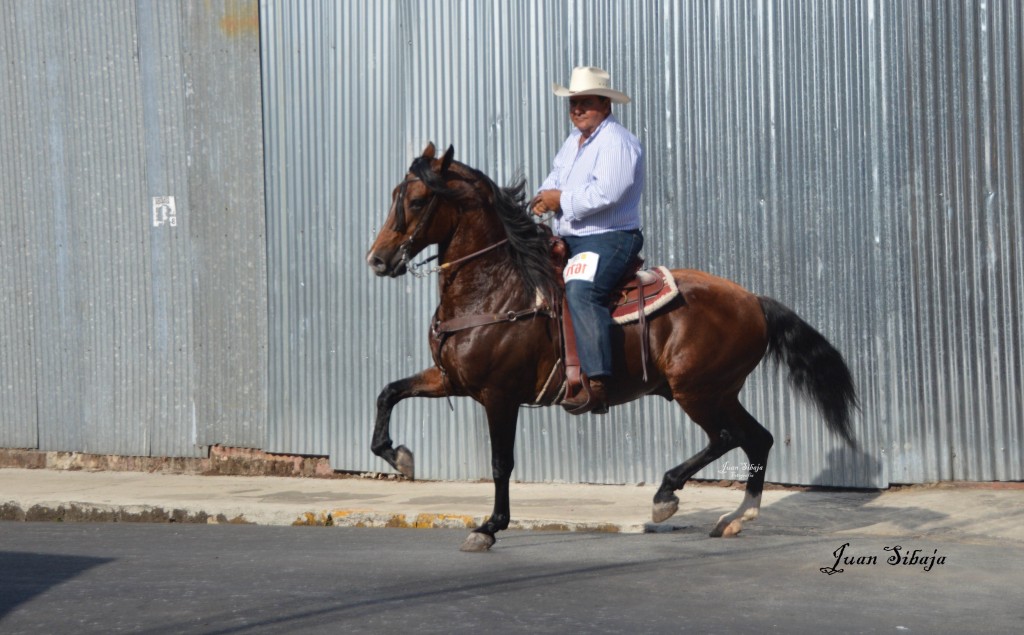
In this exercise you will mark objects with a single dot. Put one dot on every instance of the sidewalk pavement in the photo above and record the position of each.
(972, 512)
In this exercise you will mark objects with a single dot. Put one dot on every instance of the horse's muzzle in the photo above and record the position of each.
(390, 267)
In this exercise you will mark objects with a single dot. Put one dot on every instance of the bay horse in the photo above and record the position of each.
(498, 284)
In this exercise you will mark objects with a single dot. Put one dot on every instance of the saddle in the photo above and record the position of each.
(639, 293)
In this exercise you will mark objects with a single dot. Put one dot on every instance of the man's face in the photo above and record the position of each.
(588, 112)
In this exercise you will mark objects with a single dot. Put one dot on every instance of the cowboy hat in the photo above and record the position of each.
(590, 80)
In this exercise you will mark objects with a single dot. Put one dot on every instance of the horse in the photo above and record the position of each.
(498, 285)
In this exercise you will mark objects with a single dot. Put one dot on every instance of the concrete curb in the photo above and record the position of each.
(91, 512)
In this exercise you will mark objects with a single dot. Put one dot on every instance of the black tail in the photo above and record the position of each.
(816, 368)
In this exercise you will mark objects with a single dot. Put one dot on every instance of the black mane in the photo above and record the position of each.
(528, 244)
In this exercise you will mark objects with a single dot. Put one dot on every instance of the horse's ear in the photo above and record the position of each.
(429, 151)
(446, 162)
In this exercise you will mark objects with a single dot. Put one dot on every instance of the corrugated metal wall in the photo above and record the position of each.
(129, 327)
(860, 161)
(957, 371)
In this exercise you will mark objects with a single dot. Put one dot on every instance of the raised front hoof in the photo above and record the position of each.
(404, 462)
(726, 528)
(664, 510)
(477, 542)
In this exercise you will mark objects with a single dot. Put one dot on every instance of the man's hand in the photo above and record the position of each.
(546, 201)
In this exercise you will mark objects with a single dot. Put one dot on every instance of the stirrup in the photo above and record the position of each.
(576, 405)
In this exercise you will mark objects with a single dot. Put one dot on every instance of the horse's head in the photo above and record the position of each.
(421, 214)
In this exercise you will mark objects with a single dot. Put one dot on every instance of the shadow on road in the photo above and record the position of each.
(26, 575)
(826, 509)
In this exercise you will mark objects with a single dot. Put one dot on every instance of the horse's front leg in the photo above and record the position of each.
(501, 421)
(428, 383)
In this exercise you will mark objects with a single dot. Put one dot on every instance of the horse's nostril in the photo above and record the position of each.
(377, 264)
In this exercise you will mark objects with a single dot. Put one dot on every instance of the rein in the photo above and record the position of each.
(414, 268)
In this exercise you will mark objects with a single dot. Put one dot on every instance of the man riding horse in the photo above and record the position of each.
(594, 190)
(494, 336)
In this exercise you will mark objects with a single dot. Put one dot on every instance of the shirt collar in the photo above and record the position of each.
(607, 120)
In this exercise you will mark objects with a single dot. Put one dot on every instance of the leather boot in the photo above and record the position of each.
(596, 400)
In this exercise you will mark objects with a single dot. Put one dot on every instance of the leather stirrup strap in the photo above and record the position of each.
(573, 374)
(643, 325)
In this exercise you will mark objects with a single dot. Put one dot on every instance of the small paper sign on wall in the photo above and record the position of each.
(164, 212)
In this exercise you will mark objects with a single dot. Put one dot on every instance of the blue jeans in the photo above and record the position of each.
(588, 301)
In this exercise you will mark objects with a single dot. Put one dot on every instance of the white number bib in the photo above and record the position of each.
(582, 266)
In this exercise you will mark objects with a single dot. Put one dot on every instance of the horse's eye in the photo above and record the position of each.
(417, 203)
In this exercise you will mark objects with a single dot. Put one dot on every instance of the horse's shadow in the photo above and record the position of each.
(823, 508)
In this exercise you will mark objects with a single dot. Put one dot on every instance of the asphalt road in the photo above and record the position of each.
(173, 578)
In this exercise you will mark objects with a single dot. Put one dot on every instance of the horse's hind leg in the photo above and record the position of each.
(429, 383)
(711, 419)
(756, 442)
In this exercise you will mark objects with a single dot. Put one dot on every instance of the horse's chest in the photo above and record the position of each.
(476, 355)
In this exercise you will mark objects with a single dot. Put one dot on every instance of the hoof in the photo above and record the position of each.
(404, 462)
(477, 542)
(727, 528)
(663, 511)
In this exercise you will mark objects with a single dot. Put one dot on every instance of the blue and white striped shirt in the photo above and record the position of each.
(601, 181)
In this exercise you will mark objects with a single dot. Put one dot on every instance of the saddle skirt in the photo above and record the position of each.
(658, 287)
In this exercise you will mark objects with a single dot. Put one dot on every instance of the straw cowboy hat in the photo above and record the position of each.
(590, 80)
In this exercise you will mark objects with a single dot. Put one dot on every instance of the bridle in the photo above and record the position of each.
(416, 269)
(403, 249)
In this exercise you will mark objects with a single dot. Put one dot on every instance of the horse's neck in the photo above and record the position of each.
(481, 283)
